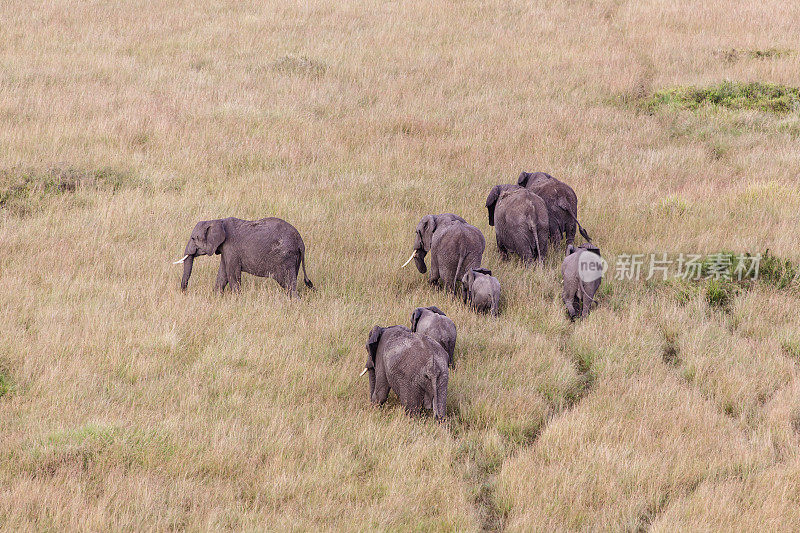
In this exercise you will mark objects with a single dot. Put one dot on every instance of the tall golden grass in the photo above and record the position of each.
(125, 404)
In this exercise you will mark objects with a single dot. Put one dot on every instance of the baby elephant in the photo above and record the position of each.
(269, 247)
(482, 290)
(583, 271)
(414, 366)
(432, 321)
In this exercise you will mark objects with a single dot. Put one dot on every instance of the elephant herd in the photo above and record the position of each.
(529, 217)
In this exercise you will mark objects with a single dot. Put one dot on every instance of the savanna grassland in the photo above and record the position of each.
(125, 404)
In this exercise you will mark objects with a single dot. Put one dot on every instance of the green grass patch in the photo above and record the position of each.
(21, 189)
(735, 54)
(720, 294)
(6, 385)
(767, 97)
(791, 347)
(777, 272)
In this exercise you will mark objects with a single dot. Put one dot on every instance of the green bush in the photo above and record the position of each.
(767, 97)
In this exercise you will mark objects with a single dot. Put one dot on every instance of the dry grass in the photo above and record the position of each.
(125, 404)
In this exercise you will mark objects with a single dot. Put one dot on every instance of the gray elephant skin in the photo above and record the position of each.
(578, 295)
(432, 321)
(454, 245)
(521, 222)
(482, 290)
(269, 247)
(414, 366)
(561, 202)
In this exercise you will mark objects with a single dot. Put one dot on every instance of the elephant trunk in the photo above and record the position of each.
(371, 374)
(419, 260)
(187, 271)
(419, 253)
(188, 260)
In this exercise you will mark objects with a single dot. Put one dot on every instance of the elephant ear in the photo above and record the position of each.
(523, 178)
(372, 345)
(415, 316)
(482, 270)
(434, 309)
(215, 236)
(426, 228)
(491, 202)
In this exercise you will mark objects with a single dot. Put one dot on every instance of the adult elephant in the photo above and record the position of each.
(561, 202)
(521, 222)
(269, 247)
(413, 365)
(454, 245)
(432, 321)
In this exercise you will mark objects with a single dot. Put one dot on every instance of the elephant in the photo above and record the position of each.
(561, 202)
(482, 290)
(455, 247)
(520, 221)
(582, 270)
(432, 321)
(269, 247)
(413, 365)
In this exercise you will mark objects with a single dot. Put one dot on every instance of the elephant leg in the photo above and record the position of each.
(222, 278)
(415, 403)
(234, 270)
(501, 248)
(451, 280)
(287, 279)
(543, 244)
(554, 230)
(570, 298)
(434, 276)
(381, 392)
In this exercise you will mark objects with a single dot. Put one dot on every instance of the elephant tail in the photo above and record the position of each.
(580, 228)
(586, 295)
(455, 274)
(438, 410)
(303, 264)
(538, 250)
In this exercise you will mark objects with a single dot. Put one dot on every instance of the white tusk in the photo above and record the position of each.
(409, 259)
(181, 260)
(363, 372)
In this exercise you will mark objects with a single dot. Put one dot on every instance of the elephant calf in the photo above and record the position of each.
(482, 290)
(582, 270)
(520, 221)
(455, 247)
(432, 321)
(269, 247)
(414, 366)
